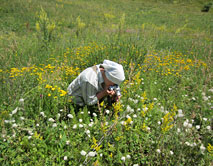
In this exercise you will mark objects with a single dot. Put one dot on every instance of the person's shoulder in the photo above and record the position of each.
(89, 75)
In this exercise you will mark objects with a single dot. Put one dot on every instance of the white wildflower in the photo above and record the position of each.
(82, 112)
(101, 155)
(80, 125)
(180, 113)
(6, 121)
(87, 131)
(189, 125)
(134, 116)
(202, 148)
(91, 124)
(65, 158)
(65, 127)
(42, 114)
(88, 112)
(159, 122)
(155, 99)
(166, 112)
(127, 116)
(193, 98)
(30, 132)
(107, 111)
(208, 127)
(29, 137)
(83, 153)
(70, 116)
(91, 154)
(135, 165)
(123, 122)
(74, 126)
(21, 101)
(15, 111)
(128, 156)
(61, 110)
(54, 125)
(137, 96)
(22, 118)
(158, 151)
(51, 120)
(135, 101)
(185, 123)
(14, 125)
(80, 120)
(123, 158)
(187, 143)
(94, 114)
(171, 152)
(205, 119)
(129, 109)
(205, 98)
(145, 109)
(67, 142)
(178, 130)
(197, 126)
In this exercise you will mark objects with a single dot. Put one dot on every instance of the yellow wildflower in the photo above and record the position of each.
(210, 149)
(63, 93)
(48, 86)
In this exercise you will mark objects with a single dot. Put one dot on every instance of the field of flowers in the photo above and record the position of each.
(165, 113)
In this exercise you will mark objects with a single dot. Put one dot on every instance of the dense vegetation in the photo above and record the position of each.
(165, 114)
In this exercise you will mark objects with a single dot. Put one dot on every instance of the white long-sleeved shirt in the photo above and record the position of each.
(85, 87)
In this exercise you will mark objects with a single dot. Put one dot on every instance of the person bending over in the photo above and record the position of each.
(97, 82)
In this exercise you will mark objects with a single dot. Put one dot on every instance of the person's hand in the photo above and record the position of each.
(110, 93)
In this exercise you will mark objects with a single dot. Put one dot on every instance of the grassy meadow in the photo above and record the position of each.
(165, 113)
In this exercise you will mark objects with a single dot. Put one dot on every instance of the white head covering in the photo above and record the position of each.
(113, 71)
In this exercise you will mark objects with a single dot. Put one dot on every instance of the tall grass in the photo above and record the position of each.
(165, 115)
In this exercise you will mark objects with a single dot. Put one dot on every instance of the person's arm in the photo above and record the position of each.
(90, 94)
(104, 93)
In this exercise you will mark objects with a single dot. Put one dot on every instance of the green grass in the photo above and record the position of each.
(166, 49)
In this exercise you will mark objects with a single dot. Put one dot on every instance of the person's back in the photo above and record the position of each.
(93, 83)
(86, 81)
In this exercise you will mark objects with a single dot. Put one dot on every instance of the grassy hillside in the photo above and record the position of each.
(165, 115)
